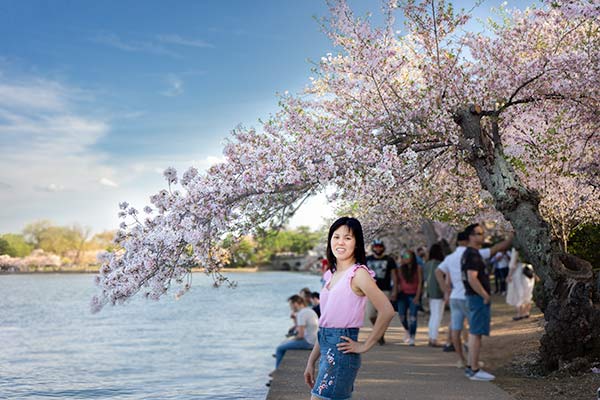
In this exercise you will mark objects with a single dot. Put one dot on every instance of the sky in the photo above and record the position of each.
(98, 98)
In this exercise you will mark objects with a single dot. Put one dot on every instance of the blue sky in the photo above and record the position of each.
(97, 97)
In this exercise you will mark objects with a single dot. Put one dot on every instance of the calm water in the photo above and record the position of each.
(210, 344)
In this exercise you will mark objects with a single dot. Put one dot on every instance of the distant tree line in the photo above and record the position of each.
(74, 243)
(246, 251)
(70, 243)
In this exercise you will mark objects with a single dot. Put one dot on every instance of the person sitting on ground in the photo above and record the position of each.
(316, 303)
(306, 294)
(307, 325)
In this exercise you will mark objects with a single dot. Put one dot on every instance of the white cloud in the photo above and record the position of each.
(48, 161)
(212, 160)
(176, 39)
(113, 40)
(175, 86)
(52, 187)
(108, 182)
(39, 95)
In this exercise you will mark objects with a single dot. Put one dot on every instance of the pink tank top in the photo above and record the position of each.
(409, 287)
(340, 306)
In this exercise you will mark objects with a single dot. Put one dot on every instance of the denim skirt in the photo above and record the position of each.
(337, 371)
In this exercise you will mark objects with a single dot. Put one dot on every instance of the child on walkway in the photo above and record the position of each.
(348, 284)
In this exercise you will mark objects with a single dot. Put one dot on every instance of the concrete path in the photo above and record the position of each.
(394, 371)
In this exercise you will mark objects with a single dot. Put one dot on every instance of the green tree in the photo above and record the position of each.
(242, 251)
(58, 239)
(102, 241)
(16, 246)
(4, 247)
(34, 231)
(584, 243)
(299, 241)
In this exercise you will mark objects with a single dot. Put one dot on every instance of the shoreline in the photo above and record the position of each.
(90, 270)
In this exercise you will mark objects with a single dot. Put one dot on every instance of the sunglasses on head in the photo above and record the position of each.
(406, 256)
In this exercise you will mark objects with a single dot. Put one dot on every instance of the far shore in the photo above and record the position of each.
(94, 270)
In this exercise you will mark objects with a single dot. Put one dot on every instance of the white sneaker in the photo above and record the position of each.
(481, 375)
(411, 341)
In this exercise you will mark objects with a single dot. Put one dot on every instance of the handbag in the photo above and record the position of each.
(528, 271)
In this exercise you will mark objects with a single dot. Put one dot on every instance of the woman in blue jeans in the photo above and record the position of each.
(410, 284)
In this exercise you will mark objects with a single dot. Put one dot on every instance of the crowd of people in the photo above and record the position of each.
(357, 287)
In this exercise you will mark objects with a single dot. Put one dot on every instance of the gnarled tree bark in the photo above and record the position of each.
(567, 291)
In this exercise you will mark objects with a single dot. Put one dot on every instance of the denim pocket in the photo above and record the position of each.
(352, 360)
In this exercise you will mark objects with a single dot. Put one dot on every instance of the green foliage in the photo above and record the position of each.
(584, 243)
(102, 241)
(298, 241)
(4, 247)
(248, 251)
(14, 245)
(242, 251)
(33, 232)
(56, 239)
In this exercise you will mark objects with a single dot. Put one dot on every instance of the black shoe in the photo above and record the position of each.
(448, 348)
(381, 341)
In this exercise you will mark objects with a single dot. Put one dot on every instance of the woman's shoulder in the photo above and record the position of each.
(361, 269)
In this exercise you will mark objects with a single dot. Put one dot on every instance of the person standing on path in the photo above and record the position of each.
(500, 263)
(478, 293)
(307, 325)
(520, 287)
(408, 292)
(348, 285)
(384, 267)
(454, 289)
(434, 293)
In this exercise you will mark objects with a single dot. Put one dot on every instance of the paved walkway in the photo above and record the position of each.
(394, 371)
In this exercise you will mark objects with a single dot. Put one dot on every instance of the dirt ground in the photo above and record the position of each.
(510, 354)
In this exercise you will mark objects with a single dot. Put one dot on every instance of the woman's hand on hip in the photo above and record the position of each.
(351, 346)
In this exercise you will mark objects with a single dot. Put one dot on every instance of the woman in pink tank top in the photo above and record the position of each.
(348, 284)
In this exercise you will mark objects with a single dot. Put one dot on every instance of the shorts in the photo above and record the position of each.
(337, 371)
(371, 311)
(459, 311)
(480, 316)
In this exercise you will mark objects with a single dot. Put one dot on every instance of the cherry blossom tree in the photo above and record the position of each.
(432, 122)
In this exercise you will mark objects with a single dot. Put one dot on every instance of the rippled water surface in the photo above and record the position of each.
(210, 344)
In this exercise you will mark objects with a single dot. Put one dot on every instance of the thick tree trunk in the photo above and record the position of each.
(429, 231)
(567, 290)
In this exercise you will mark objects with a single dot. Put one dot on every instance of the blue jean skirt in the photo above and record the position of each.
(337, 371)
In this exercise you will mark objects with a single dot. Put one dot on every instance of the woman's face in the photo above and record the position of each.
(343, 243)
(406, 258)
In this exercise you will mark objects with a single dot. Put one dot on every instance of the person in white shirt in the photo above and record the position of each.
(449, 277)
(307, 325)
(500, 263)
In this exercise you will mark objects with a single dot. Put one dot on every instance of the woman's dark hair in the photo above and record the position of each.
(409, 270)
(359, 250)
(436, 252)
